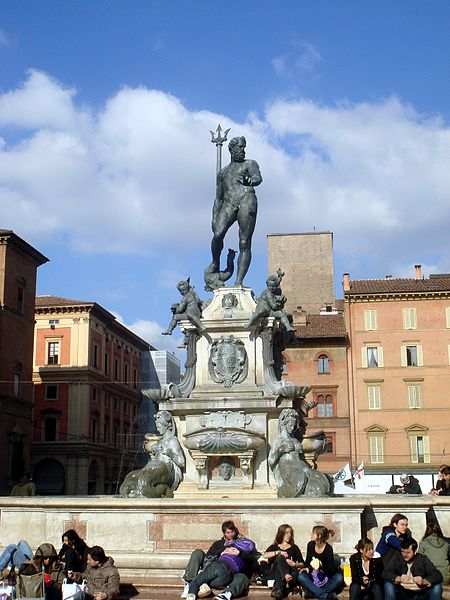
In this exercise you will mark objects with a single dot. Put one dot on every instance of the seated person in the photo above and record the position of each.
(283, 559)
(45, 559)
(13, 557)
(411, 576)
(392, 536)
(366, 569)
(73, 552)
(102, 577)
(435, 547)
(227, 570)
(321, 576)
(199, 560)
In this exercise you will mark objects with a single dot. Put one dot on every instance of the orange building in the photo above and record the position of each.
(399, 372)
(318, 358)
(87, 398)
(18, 265)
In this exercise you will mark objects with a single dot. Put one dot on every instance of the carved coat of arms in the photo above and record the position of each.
(228, 362)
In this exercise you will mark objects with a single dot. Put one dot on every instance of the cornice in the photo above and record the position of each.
(350, 298)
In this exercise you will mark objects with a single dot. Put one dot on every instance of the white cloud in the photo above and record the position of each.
(4, 38)
(140, 170)
(302, 58)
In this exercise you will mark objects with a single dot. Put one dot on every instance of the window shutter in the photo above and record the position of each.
(419, 356)
(373, 392)
(414, 396)
(380, 356)
(426, 449)
(370, 320)
(409, 318)
(364, 357)
(449, 354)
(414, 453)
(403, 356)
(447, 316)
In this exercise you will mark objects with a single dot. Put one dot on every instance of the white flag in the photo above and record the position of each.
(344, 474)
(359, 473)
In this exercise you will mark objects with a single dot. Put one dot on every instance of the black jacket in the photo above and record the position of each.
(375, 570)
(422, 566)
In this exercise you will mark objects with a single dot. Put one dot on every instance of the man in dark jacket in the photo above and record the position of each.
(199, 559)
(411, 576)
(409, 485)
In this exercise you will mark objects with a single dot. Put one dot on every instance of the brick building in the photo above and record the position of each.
(18, 266)
(399, 371)
(318, 357)
(87, 398)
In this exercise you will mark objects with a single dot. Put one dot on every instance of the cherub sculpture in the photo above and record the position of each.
(188, 309)
(271, 303)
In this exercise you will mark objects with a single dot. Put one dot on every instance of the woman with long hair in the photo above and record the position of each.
(73, 552)
(366, 569)
(284, 559)
(435, 547)
(392, 536)
(321, 576)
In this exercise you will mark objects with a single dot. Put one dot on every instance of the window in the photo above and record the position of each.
(50, 429)
(323, 364)
(135, 377)
(105, 366)
(125, 407)
(372, 357)
(94, 430)
(447, 317)
(374, 396)
(94, 395)
(105, 432)
(53, 322)
(376, 448)
(409, 318)
(125, 435)
(51, 392)
(17, 382)
(329, 447)
(20, 299)
(53, 353)
(116, 435)
(125, 373)
(95, 356)
(370, 320)
(414, 400)
(420, 448)
(116, 369)
(325, 405)
(411, 355)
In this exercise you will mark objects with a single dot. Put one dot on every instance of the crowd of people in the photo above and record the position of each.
(398, 568)
(75, 562)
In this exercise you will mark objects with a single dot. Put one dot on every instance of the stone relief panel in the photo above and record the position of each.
(228, 361)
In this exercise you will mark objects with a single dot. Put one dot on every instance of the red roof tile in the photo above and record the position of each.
(42, 301)
(396, 286)
(322, 326)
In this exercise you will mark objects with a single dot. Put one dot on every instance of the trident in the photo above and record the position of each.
(218, 141)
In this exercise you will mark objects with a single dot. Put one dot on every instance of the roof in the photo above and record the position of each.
(399, 286)
(322, 326)
(7, 236)
(47, 300)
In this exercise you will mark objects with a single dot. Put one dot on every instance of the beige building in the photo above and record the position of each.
(18, 266)
(307, 261)
(399, 371)
(87, 398)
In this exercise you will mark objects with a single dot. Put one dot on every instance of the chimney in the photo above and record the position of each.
(418, 271)
(346, 282)
(299, 317)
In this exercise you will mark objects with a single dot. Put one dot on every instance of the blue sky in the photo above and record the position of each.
(106, 164)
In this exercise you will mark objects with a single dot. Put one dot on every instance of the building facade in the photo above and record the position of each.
(307, 262)
(87, 370)
(399, 372)
(18, 266)
(318, 358)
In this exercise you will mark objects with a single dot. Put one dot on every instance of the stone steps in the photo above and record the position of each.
(170, 589)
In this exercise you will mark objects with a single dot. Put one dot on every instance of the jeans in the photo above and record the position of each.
(332, 584)
(216, 574)
(374, 592)
(15, 555)
(396, 592)
(238, 586)
(194, 565)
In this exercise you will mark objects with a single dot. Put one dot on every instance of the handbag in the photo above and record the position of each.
(30, 586)
(72, 590)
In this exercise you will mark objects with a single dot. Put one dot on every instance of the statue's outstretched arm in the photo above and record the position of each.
(253, 172)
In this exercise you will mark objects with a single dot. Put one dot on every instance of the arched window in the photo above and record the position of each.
(324, 405)
(323, 364)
